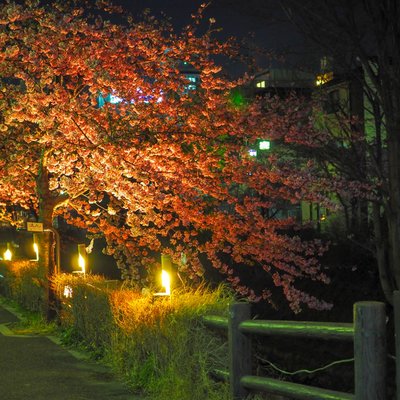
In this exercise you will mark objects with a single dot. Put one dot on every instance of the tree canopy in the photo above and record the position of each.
(161, 168)
(362, 40)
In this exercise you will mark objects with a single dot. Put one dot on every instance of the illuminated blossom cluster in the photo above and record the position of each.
(151, 176)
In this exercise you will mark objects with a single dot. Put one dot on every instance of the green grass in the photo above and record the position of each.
(30, 323)
(160, 346)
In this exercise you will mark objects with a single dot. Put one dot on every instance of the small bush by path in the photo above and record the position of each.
(159, 344)
(24, 282)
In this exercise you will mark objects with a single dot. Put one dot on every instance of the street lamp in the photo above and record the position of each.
(264, 145)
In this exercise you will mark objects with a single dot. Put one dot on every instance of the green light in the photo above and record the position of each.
(236, 98)
(264, 145)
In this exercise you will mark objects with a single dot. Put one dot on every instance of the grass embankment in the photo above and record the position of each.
(159, 345)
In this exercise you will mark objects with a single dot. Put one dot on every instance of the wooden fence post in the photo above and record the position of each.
(396, 305)
(239, 349)
(370, 350)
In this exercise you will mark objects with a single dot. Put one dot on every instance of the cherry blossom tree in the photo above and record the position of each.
(158, 167)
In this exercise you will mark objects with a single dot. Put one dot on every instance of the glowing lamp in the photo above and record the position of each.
(166, 282)
(82, 258)
(166, 266)
(264, 145)
(81, 263)
(36, 250)
(252, 153)
(7, 255)
(323, 78)
(67, 291)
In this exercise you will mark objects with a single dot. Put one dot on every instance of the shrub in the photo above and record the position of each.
(163, 346)
(24, 282)
(158, 343)
(85, 313)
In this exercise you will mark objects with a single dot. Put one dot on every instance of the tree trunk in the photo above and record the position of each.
(393, 214)
(382, 256)
(46, 270)
(47, 242)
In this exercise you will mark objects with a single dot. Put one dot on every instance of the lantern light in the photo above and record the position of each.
(264, 145)
(82, 260)
(36, 250)
(81, 263)
(166, 282)
(67, 291)
(35, 247)
(166, 267)
(7, 254)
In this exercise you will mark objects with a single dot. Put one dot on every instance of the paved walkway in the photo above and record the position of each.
(37, 368)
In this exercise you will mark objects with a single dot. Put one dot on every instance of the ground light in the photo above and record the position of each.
(165, 275)
(166, 282)
(67, 291)
(82, 259)
(81, 263)
(7, 256)
(36, 250)
(35, 247)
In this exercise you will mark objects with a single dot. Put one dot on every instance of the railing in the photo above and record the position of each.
(368, 332)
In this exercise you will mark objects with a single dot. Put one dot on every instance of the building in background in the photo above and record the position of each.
(347, 110)
(349, 117)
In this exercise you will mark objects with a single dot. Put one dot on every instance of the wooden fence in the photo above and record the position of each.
(368, 332)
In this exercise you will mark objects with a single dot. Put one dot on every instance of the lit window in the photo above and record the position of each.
(323, 78)
(114, 99)
(264, 145)
(193, 80)
(252, 153)
(260, 84)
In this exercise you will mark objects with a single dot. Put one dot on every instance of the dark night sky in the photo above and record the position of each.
(236, 18)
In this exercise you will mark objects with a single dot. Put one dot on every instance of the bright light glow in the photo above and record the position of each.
(264, 145)
(112, 98)
(323, 78)
(260, 84)
(81, 263)
(115, 99)
(67, 291)
(166, 282)
(252, 153)
(36, 250)
(7, 255)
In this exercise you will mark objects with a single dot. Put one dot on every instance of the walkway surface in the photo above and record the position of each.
(37, 368)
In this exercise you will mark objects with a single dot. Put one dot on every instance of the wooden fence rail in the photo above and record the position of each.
(368, 332)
